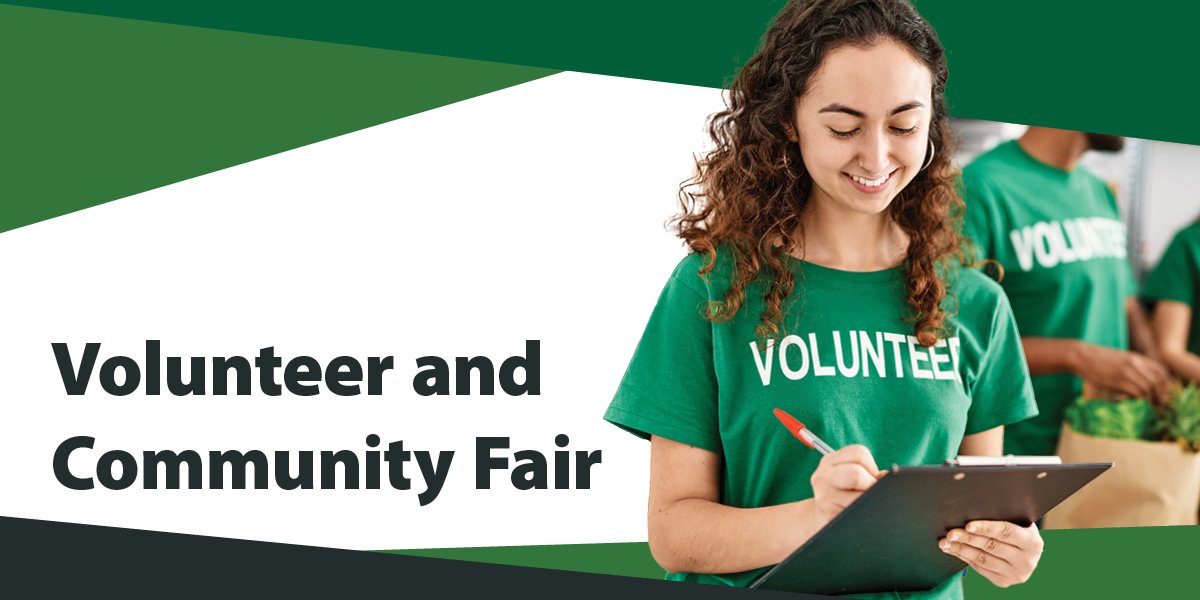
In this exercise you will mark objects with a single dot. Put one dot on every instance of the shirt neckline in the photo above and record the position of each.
(809, 271)
(1044, 167)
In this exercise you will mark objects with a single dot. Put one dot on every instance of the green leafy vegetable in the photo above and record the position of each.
(1182, 417)
(1139, 419)
(1134, 419)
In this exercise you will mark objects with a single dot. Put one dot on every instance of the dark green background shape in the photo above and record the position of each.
(1138, 562)
(1116, 68)
(97, 109)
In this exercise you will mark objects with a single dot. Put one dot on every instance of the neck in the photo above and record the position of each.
(1058, 148)
(850, 241)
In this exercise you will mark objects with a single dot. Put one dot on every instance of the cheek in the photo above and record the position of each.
(911, 154)
(824, 156)
(913, 150)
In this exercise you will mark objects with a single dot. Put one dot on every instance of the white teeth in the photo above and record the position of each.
(870, 182)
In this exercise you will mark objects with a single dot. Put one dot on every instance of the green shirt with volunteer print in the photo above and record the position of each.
(846, 365)
(1177, 278)
(1060, 239)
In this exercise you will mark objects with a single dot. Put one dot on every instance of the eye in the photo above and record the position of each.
(903, 131)
(843, 134)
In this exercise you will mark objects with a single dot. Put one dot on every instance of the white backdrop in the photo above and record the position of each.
(534, 212)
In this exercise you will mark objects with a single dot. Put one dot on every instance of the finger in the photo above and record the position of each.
(851, 477)
(835, 501)
(1140, 377)
(1134, 383)
(1004, 531)
(1135, 375)
(841, 499)
(1162, 379)
(991, 545)
(1028, 540)
(1159, 370)
(1121, 384)
(855, 454)
(997, 578)
(1164, 390)
(978, 559)
(1156, 377)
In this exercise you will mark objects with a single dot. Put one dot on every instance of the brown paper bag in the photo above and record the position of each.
(1151, 483)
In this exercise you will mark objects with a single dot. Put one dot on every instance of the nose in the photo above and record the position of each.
(873, 153)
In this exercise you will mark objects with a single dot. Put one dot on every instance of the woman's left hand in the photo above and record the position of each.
(1003, 552)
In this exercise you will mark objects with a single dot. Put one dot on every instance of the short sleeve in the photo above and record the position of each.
(1002, 393)
(1175, 276)
(977, 222)
(670, 387)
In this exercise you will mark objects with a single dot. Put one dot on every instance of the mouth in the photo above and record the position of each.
(870, 185)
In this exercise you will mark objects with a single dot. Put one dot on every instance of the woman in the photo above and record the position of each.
(821, 282)
(1174, 286)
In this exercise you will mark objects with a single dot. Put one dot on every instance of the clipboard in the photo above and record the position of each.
(886, 540)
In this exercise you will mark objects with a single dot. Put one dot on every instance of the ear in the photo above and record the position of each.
(790, 130)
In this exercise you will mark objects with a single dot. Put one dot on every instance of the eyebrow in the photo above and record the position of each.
(842, 108)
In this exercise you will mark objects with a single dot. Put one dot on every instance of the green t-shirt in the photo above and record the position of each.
(1061, 241)
(847, 367)
(1177, 277)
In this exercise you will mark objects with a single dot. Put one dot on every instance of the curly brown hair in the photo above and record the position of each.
(749, 192)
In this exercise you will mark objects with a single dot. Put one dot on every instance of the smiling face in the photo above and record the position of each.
(863, 126)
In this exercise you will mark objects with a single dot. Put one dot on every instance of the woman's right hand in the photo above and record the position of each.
(1129, 373)
(840, 478)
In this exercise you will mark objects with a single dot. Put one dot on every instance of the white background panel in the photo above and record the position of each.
(534, 212)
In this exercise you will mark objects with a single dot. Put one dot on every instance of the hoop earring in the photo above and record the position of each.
(932, 152)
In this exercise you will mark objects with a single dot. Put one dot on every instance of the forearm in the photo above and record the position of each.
(1048, 356)
(701, 536)
(1172, 321)
(1141, 335)
(1184, 364)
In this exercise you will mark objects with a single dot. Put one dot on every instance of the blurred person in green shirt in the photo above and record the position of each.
(1174, 287)
(1055, 229)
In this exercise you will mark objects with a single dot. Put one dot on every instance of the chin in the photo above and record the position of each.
(856, 204)
(874, 207)
(868, 204)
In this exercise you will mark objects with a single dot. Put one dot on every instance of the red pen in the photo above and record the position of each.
(802, 433)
